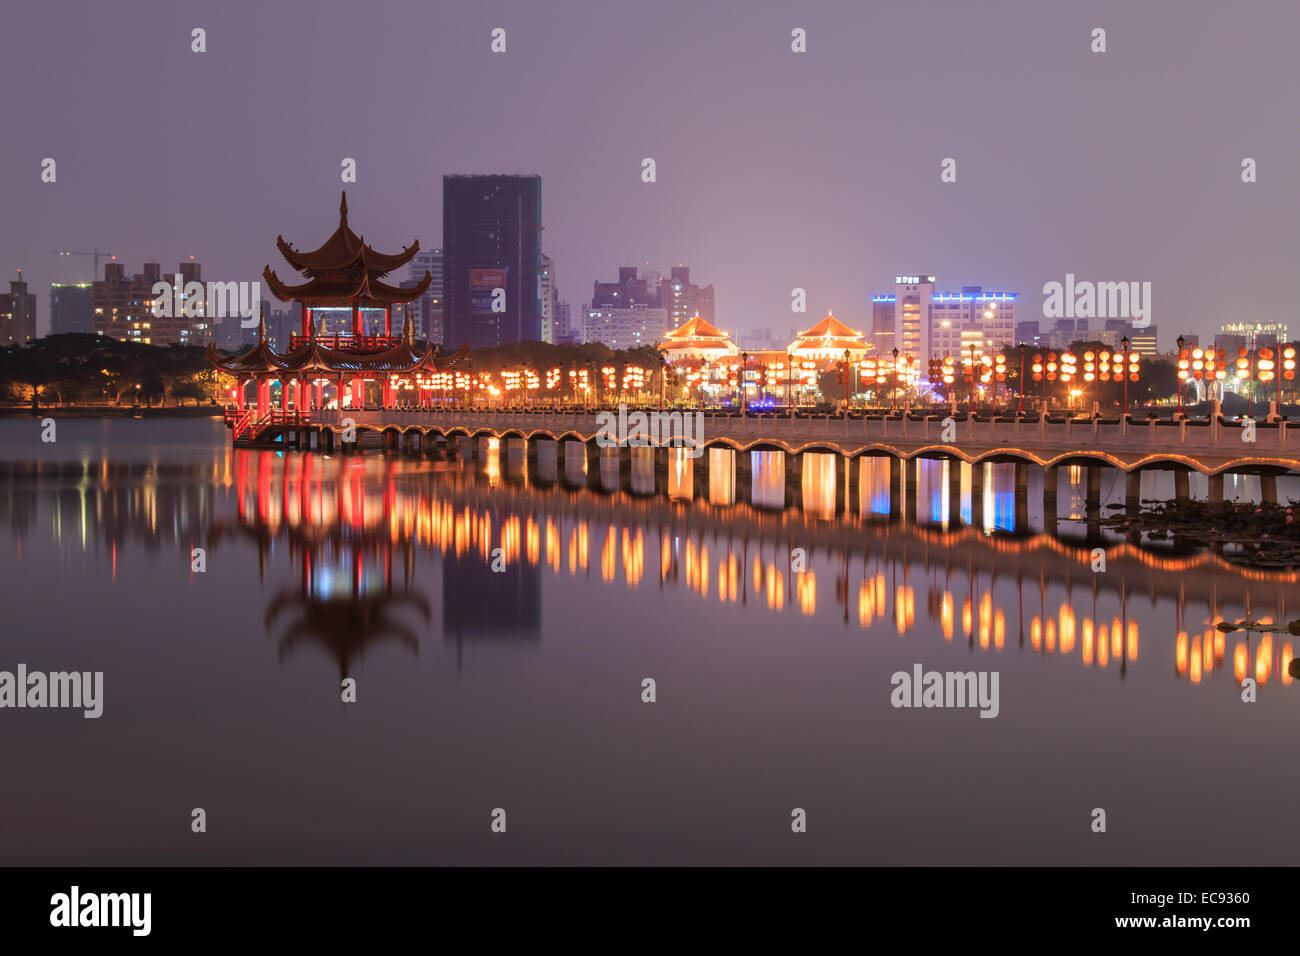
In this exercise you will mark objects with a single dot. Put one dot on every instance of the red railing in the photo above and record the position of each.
(351, 343)
(246, 420)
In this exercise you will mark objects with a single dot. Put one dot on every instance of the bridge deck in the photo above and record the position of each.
(1209, 447)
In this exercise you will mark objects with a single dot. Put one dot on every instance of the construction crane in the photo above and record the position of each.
(96, 254)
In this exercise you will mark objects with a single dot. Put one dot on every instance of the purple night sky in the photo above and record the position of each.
(775, 170)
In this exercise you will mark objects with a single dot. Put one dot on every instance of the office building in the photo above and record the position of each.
(17, 313)
(624, 328)
(924, 324)
(123, 307)
(630, 290)
(547, 296)
(72, 307)
(491, 228)
(684, 300)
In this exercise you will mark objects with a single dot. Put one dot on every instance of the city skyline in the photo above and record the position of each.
(735, 199)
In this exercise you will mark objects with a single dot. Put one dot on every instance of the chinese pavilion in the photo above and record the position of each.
(829, 339)
(345, 273)
(697, 339)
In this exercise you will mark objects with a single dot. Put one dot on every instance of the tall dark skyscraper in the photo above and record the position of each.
(72, 307)
(491, 237)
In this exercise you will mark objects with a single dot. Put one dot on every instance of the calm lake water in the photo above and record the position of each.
(522, 689)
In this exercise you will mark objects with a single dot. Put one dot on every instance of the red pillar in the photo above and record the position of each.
(356, 319)
(388, 320)
(306, 321)
(239, 394)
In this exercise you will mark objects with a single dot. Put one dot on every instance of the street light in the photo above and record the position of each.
(789, 381)
(1020, 382)
(1182, 371)
(744, 364)
(972, 379)
(1124, 369)
(893, 394)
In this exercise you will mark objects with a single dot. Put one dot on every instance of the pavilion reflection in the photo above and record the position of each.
(355, 528)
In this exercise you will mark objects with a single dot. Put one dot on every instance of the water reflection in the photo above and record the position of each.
(960, 561)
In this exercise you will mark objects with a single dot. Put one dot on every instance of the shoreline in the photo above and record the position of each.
(112, 411)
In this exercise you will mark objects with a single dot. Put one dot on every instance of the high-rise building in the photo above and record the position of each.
(72, 307)
(123, 307)
(491, 233)
(547, 294)
(1028, 332)
(628, 291)
(1144, 340)
(426, 312)
(564, 332)
(17, 313)
(902, 320)
(624, 328)
(924, 324)
(683, 300)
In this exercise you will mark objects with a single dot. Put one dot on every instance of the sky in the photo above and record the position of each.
(775, 169)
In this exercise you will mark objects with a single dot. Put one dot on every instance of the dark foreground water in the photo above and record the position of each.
(522, 689)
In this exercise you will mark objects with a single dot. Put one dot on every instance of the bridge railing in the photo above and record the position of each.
(1118, 435)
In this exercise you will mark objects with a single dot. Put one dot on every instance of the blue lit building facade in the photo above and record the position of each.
(926, 324)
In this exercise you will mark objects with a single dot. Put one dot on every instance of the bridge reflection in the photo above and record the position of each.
(977, 558)
(970, 565)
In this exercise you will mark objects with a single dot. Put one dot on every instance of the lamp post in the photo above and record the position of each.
(893, 392)
(1181, 343)
(1020, 382)
(789, 382)
(1124, 368)
(744, 364)
(972, 380)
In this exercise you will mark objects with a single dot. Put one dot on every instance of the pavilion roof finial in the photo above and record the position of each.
(343, 207)
(261, 326)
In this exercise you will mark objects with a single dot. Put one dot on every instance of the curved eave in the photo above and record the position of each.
(260, 358)
(821, 345)
(367, 292)
(345, 250)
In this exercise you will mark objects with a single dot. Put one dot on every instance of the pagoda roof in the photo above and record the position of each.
(345, 626)
(696, 334)
(345, 250)
(830, 327)
(696, 328)
(402, 359)
(339, 289)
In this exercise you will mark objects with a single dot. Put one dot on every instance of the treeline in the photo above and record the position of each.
(83, 369)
